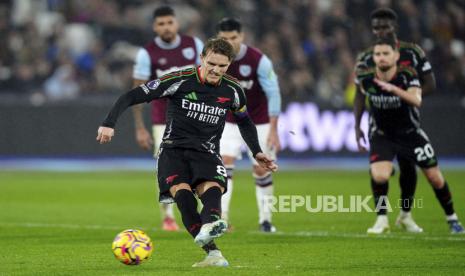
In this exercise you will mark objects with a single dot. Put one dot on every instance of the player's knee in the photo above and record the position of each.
(203, 187)
(263, 180)
(380, 176)
(182, 186)
(434, 177)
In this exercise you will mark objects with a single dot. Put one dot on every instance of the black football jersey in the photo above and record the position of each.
(388, 112)
(196, 110)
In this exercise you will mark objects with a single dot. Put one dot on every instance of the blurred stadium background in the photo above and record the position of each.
(63, 63)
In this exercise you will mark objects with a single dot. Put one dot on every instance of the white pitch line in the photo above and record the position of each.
(364, 236)
(292, 234)
(67, 226)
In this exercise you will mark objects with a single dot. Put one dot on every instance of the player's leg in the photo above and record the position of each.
(173, 179)
(382, 152)
(167, 212)
(209, 181)
(408, 183)
(263, 182)
(230, 149)
(444, 196)
(427, 161)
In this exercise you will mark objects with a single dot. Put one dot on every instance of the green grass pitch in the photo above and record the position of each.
(64, 223)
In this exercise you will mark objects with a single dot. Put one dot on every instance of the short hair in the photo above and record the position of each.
(229, 24)
(163, 11)
(219, 46)
(384, 13)
(386, 40)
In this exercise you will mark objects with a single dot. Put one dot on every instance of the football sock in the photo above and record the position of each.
(263, 189)
(452, 217)
(211, 200)
(408, 184)
(210, 247)
(166, 210)
(226, 198)
(445, 199)
(187, 205)
(380, 191)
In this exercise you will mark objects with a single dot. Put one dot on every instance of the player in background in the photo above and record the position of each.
(394, 96)
(254, 71)
(168, 51)
(384, 23)
(199, 99)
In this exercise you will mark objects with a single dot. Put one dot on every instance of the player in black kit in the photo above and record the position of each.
(189, 159)
(383, 24)
(394, 96)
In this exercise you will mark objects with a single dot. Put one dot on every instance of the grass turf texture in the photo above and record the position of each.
(64, 223)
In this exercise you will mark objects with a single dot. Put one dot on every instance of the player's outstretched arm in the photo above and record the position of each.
(249, 134)
(106, 130)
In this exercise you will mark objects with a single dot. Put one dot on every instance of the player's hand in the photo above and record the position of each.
(143, 138)
(386, 86)
(361, 141)
(265, 162)
(273, 141)
(104, 134)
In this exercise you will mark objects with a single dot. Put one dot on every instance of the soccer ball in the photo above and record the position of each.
(132, 247)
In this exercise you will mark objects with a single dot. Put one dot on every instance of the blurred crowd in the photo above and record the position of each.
(62, 50)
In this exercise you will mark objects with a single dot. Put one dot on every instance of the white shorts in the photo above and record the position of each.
(232, 144)
(157, 134)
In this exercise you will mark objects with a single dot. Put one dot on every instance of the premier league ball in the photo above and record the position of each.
(132, 247)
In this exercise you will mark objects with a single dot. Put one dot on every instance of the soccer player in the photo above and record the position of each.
(394, 95)
(255, 73)
(383, 23)
(189, 161)
(168, 51)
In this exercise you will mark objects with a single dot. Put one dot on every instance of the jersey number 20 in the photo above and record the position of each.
(424, 153)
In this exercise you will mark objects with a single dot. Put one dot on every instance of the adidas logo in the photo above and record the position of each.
(191, 96)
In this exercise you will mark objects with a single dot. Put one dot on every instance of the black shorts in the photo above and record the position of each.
(414, 146)
(177, 165)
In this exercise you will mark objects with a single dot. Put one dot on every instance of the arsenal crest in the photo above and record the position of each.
(188, 53)
(245, 70)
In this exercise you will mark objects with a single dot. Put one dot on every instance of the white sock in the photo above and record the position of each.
(226, 201)
(404, 213)
(452, 217)
(215, 253)
(264, 212)
(166, 211)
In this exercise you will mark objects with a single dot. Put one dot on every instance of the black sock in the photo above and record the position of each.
(211, 200)
(187, 205)
(380, 191)
(445, 199)
(408, 183)
(210, 246)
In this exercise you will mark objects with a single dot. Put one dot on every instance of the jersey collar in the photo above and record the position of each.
(168, 46)
(242, 51)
